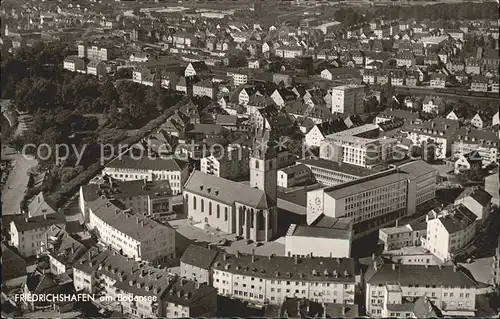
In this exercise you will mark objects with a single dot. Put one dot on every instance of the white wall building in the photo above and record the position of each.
(390, 289)
(376, 200)
(450, 232)
(261, 279)
(348, 99)
(128, 169)
(306, 241)
(134, 235)
(26, 234)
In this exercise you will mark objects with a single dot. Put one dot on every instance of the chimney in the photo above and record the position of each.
(455, 268)
(393, 266)
(373, 256)
(26, 219)
(397, 220)
(296, 259)
(253, 256)
(271, 256)
(224, 257)
(44, 216)
(237, 254)
(375, 265)
(137, 219)
(209, 246)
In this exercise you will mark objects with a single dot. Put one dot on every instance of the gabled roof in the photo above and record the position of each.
(115, 214)
(478, 194)
(199, 256)
(458, 219)
(146, 163)
(406, 275)
(225, 191)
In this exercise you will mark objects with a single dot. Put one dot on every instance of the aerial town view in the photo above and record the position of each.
(250, 158)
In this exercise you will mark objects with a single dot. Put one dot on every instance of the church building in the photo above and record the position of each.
(249, 211)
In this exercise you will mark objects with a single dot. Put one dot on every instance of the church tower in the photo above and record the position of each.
(263, 163)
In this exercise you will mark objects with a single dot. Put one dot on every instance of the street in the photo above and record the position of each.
(17, 181)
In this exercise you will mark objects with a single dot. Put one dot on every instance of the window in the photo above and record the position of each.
(218, 211)
(225, 213)
(194, 202)
(202, 205)
(256, 164)
(210, 208)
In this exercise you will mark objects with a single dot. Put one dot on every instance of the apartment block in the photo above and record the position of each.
(402, 236)
(231, 164)
(128, 169)
(110, 274)
(348, 99)
(393, 289)
(484, 142)
(269, 280)
(329, 173)
(140, 196)
(359, 146)
(450, 232)
(134, 235)
(26, 234)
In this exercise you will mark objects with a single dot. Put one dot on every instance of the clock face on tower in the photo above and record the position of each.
(317, 200)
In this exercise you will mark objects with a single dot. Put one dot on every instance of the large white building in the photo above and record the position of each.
(140, 196)
(26, 234)
(450, 232)
(402, 236)
(232, 164)
(263, 279)
(129, 169)
(320, 240)
(134, 235)
(348, 99)
(329, 173)
(145, 291)
(438, 134)
(484, 142)
(376, 200)
(360, 146)
(92, 52)
(393, 289)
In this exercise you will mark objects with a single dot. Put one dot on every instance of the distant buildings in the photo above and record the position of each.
(145, 168)
(74, 64)
(348, 99)
(92, 52)
(232, 164)
(359, 146)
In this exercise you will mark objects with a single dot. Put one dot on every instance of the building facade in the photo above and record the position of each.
(134, 235)
(348, 99)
